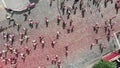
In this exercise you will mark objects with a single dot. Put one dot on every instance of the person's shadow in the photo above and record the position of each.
(34, 1)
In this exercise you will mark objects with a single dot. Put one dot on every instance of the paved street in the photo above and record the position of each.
(80, 55)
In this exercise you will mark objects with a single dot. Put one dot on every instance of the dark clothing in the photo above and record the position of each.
(68, 30)
(116, 8)
(47, 23)
(64, 25)
(83, 13)
(81, 4)
(105, 3)
(25, 17)
(63, 10)
(11, 20)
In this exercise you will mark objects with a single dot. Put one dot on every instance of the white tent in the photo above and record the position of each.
(16, 5)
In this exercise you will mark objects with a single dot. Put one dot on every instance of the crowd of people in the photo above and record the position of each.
(16, 54)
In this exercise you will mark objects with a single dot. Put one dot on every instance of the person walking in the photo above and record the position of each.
(66, 48)
(96, 28)
(21, 41)
(43, 43)
(58, 19)
(31, 24)
(25, 31)
(35, 45)
(64, 25)
(66, 53)
(104, 47)
(46, 21)
(59, 63)
(48, 58)
(105, 28)
(18, 27)
(29, 10)
(97, 40)
(75, 10)
(68, 30)
(100, 45)
(68, 15)
(40, 39)
(72, 28)
(16, 52)
(11, 20)
(116, 7)
(51, 2)
(53, 43)
(23, 56)
(91, 46)
(83, 12)
(27, 38)
(21, 35)
(26, 16)
(36, 24)
(81, 4)
(71, 21)
(27, 50)
(57, 35)
(105, 3)
(63, 10)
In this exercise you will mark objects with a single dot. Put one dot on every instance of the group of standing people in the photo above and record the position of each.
(11, 38)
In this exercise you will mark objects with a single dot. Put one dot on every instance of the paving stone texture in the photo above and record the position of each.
(78, 42)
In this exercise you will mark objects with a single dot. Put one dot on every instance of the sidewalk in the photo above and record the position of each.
(91, 65)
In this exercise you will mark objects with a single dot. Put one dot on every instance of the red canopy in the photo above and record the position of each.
(111, 56)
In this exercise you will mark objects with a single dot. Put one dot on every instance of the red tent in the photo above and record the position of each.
(111, 57)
